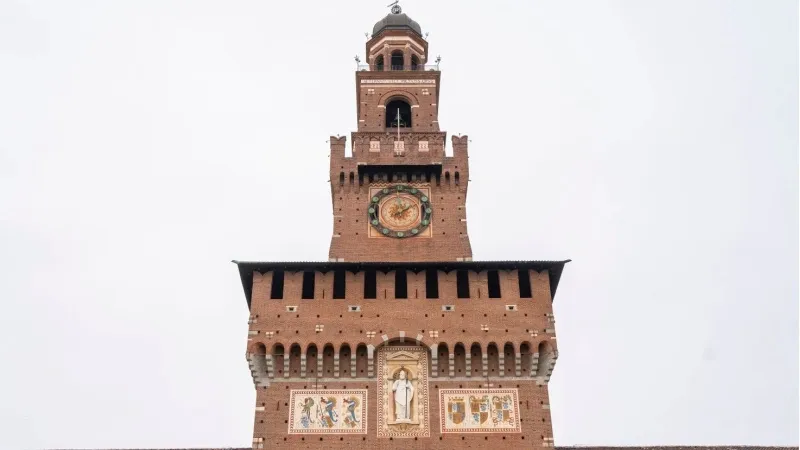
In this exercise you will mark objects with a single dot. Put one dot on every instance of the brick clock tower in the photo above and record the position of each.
(400, 339)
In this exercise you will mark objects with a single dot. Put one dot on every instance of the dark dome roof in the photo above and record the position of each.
(396, 22)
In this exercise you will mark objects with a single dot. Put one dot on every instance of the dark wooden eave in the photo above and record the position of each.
(247, 268)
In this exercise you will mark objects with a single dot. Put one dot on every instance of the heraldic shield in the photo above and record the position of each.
(480, 408)
(457, 410)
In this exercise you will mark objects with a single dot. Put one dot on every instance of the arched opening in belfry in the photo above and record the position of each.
(397, 60)
(414, 62)
(379, 63)
(398, 114)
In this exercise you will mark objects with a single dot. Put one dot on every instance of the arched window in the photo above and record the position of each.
(414, 62)
(456, 178)
(447, 178)
(398, 107)
(379, 63)
(397, 60)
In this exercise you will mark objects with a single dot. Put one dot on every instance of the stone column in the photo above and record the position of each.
(518, 363)
(336, 365)
(485, 363)
(468, 361)
(286, 359)
(302, 366)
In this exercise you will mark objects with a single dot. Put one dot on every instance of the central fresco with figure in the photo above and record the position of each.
(403, 392)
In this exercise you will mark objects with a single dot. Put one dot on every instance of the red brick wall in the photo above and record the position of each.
(389, 316)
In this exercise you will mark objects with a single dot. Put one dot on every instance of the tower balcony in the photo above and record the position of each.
(401, 68)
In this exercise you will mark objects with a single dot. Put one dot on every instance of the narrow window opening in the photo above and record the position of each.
(308, 285)
(339, 284)
(397, 60)
(341, 178)
(277, 285)
(456, 178)
(370, 284)
(379, 63)
(524, 283)
(400, 284)
(431, 283)
(462, 284)
(353, 178)
(447, 178)
(494, 284)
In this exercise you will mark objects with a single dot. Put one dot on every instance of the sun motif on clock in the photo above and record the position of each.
(399, 211)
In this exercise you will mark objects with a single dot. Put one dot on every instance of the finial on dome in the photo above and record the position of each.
(396, 9)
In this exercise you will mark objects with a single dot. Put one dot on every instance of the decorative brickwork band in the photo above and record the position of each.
(270, 369)
(451, 364)
(534, 364)
(501, 358)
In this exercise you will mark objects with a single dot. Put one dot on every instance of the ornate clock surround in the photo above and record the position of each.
(400, 211)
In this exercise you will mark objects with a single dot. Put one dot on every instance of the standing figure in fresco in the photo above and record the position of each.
(350, 406)
(403, 393)
(329, 416)
(305, 419)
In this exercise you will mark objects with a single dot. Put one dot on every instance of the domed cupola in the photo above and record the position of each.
(396, 20)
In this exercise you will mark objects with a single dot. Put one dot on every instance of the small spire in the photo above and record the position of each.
(396, 9)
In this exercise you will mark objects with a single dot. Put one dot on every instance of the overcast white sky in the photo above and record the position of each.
(145, 144)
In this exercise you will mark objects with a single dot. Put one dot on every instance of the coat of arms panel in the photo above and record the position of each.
(479, 411)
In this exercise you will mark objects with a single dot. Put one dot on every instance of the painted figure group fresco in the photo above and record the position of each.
(328, 411)
(479, 410)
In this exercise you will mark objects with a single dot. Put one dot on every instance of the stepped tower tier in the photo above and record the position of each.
(399, 197)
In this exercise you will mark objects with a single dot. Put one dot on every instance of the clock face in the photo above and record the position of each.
(400, 211)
